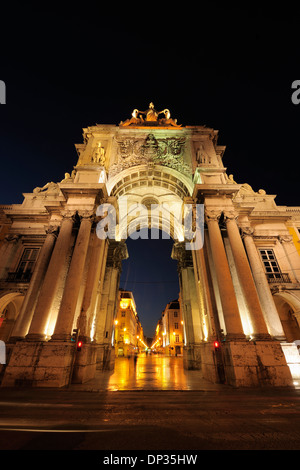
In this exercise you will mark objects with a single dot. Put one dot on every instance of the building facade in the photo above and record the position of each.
(169, 332)
(61, 253)
(128, 331)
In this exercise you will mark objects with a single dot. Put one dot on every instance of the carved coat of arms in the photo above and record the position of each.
(167, 152)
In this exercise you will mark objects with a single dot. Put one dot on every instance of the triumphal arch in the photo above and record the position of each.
(61, 253)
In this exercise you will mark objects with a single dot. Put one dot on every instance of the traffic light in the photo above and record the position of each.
(74, 336)
(216, 345)
(79, 345)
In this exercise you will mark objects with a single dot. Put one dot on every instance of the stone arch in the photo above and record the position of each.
(165, 190)
(158, 188)
(148, 178)
(288, 307)
(10, 306)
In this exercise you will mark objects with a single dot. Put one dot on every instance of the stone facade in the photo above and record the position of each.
(242, 287)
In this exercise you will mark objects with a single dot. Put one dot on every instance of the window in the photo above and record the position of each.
(176, 338)
(175, 314)
(26, 265)
(272, 268)
(176, 326)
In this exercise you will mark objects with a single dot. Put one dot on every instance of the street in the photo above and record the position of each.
(151, 406)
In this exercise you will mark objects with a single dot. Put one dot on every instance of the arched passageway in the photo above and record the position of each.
(288, 307)
(10, 306)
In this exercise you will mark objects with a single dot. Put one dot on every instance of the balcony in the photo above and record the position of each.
(278, 278)
(19, 277)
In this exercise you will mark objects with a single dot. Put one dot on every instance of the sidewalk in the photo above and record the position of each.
(153, 372)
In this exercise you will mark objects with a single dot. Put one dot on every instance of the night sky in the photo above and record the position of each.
(226, 68)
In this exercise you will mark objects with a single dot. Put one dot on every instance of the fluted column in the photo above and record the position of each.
(25, 316)
(64, 322)
(117, 251)
(265, 296)
(89, 300)
(47, 293)
(259, 326)
(230, 308)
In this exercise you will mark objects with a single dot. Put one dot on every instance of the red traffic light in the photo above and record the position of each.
(79, 345)
(216, 345)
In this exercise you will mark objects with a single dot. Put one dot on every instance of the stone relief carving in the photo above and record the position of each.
(98, 155)
(151, 151)
(245, 189)
(202, 156)
(183, 256)
(49, 188)
(53, 188)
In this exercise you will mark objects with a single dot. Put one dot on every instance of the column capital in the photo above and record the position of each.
(12, 238)
(230, 215)
(212, 214)
(86, 214)
(285, 238)
(52, 230)
(117, 251)
(247, 231)
(183, 256)
(68, 214)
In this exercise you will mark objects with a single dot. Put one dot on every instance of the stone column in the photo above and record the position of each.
(190, 306)
(25, 316)
(234, 329)
(90, 294)
(260, 330)
(203, 287)
(47, 293)
(65, 318)
(117, 251)
(265, 296)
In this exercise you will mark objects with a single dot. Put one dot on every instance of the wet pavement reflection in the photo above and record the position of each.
(149, 372)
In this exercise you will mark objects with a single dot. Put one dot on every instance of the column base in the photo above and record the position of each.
(105, 357)
(39, 364)
(261, 337)
(60, 337)
(235, 337)
(35, 337)
(192, 357)
(255, 364)
(85, 363)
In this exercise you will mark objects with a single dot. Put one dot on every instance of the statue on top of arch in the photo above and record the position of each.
(151, 118)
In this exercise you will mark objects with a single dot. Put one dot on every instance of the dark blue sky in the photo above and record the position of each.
(151, 274)
(230, 68)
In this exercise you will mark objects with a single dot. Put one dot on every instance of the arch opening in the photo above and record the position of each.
(10, 306)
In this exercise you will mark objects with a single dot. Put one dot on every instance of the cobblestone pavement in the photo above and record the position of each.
(130, 418)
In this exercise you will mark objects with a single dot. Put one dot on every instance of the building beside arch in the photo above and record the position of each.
(60, 267)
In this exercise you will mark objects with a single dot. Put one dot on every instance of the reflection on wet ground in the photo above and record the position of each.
(153, 372)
